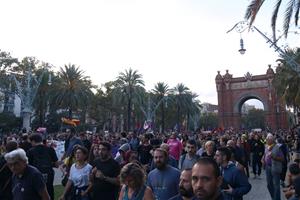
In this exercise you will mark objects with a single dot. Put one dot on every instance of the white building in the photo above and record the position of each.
(14, 104)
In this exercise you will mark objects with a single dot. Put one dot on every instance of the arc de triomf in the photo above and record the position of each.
(234, 92)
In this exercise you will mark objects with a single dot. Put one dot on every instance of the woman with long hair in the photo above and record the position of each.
(133, 178)
(94, 153)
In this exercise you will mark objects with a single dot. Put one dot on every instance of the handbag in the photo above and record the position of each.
(65, 180)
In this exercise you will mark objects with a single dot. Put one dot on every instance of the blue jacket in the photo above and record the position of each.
(238, 180)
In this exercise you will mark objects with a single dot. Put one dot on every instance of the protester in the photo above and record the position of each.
(5, 173)
(144, 151)
(209, 149)
(105, 174)
(133, 177)
(235, 182)
(164, 179)
(44, 159)
(79, 176)
(175, 146)
(272, 161)
(25, 144)
(94, 154)
(70, 142)
(257, 149)
(294, 172)
(185, 186)
(187, 160)
(27, 181)
(206, 180)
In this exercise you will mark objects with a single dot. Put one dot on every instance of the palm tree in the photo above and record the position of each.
(73, 89)
(287, 81)
(193, 107)
(128, 84)
(181, 95)
(292, 8)
(161, 90)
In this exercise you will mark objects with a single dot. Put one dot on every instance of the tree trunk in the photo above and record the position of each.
(70, 113)
(178, 118)
(162, 118)
(129, 115)
(6, 102)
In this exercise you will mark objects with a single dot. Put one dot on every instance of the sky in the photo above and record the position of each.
(171, 41)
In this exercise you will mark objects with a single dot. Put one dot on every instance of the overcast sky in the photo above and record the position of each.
(175, 41)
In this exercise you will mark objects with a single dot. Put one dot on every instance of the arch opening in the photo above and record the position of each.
(252, 114)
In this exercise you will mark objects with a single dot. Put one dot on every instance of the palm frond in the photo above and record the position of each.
(253, 9)
(297, 8)
(288, 16)
(274, 18)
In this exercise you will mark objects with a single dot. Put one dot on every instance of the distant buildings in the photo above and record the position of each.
(209, 108)
(12, 105)
(246, 108)
(212, 108)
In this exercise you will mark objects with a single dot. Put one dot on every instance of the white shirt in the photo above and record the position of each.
(80, 177)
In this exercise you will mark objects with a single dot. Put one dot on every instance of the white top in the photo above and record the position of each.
(80, 177)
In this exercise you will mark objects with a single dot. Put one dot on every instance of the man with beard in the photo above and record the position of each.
(206, 180)
(164, 180)
(105, 174)
(185, 186)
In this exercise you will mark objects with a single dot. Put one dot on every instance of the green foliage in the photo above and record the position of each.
(254, 119)
(58, 191)
(292, 10)
(70, 94)
(209, 121)
(287, 81)
(9, 122)
(128, 86)
(72, 89)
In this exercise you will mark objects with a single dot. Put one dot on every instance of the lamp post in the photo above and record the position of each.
(27, 93)
(151, 109)
(241, 26)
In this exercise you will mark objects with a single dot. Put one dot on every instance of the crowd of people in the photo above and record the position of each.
(130, 166)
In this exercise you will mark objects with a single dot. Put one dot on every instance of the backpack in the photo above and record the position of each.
(183, 158)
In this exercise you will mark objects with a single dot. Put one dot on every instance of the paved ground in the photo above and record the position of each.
(58, 177)
(259, 189)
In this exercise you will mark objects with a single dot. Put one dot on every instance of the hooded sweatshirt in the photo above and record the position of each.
(238, 180)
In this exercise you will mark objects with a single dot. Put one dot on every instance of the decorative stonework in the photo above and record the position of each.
(248, 76)
(233, 92)
(248, 84)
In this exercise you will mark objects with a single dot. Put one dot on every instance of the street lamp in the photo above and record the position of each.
(244, 25)
(242, 50)
(27, 93)
(151, 108)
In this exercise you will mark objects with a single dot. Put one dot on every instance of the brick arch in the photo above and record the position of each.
(247, 96)
(233, 92)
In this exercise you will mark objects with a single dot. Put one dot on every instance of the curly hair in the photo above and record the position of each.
(135, 172)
